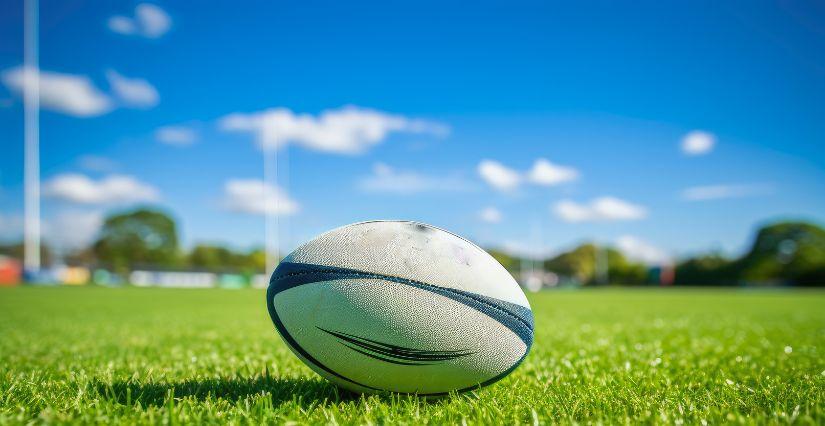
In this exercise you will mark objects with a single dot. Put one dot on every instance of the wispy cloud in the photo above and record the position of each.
(389, 180)
(602, 209)
(149, 21)
(724, 191)
(490, 215)
(253, 196)
(176, 135)
(113, 189)
(133, 92)
(74, 95)
(642, 251)
(698, 142)
(548, 174)
(348, 130)
(498, 175)
(543, 172)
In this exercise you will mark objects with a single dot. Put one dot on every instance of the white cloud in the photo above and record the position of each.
(176, 135)
(543, 172)
(723, 191)
(570, 211)
(133, 92)
(256, 197)
(498, 175)
(490, 215)
(548, 174)
(348, 130)
(602, 209)
(76, 95)
(386, 179)
(70, 94)
(698, 142)
(149, 21)
(122, 25)
(113, 189)
(95, 163)
(73, 228)
(642, 251)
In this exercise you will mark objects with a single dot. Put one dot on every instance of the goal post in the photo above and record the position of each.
(31, 136)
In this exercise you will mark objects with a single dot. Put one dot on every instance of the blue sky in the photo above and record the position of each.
(531, 126)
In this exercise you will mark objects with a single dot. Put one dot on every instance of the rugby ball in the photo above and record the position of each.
(393, 306)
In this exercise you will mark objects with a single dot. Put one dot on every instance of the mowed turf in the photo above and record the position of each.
(617, 356)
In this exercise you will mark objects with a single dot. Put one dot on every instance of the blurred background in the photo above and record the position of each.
(182, 144)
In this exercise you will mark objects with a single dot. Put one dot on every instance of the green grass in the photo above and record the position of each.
(130, 355)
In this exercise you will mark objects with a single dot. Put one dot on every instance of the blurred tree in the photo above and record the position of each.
(621, 270)
(581, 264)
(782, 253)
(79, 257)
(211, 257)
(217, 258)
(711, 269)
(786, 252)
(16, 251)
(141, 237)
(256, 261)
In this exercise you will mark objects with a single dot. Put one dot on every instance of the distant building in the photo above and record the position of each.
(106, 278)
(173, 279)
(232, 281)
(75, 275)
(10, 271)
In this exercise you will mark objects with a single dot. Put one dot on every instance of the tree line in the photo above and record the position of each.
(148, 238)
(783, 253)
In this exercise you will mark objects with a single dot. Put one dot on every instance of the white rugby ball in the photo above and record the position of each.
(401, 307)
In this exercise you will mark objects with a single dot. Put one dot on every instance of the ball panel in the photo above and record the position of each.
(517, 318)
(395, 337)
(413, 251)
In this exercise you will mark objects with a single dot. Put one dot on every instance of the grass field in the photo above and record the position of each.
(174, 356)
